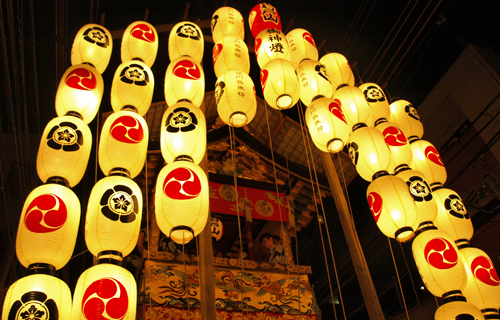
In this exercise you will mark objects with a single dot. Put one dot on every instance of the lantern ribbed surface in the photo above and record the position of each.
(452, 215)
(280, 85)
(376, 99)
(427, 160)
(186, 39)
(314, 81)
(93, 44)
(302, 46)
(458, 310)
(140, 41)
(271, 44)
(227, 21)
(405, 115)
(397, 143)
(230, 53)
(263, 16)
(338, 69)
(184, 80)
(355, 107)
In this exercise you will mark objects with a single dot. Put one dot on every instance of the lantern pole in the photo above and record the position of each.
(360, 266)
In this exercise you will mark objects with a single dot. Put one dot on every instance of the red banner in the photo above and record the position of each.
(257, 203)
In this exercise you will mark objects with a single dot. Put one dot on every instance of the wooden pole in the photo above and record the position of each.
(358, 258)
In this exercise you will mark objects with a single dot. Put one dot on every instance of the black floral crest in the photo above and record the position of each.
(119, 203)
(65, 136)
(456, 207)
(96, 35)
(34, 305)
(352, 148)
(412, 112)
(135, 74)
(181, 119)
(374, 94)
(419, 189)
(188, 30)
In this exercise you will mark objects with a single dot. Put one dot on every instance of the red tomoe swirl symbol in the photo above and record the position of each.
(432, 154)
(482, 268)
(440, 254)
(258, 43)
(394, 137)
(143, 32)
(81, 79)
(105, 299)
(336, 110)
(182, 184)
(187, 69)
(375, 202)
(263, 78)
(127, 129)
(46, 213)
(216, 52)
(308, 37)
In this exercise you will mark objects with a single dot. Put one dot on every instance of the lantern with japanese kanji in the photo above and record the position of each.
(230, 53)
(227, 21)
(263, 16)
(398, 144)
(427, 160)
(338, 68)
(356, 109)
(314, 81)
(377, 100)
(92, 45)
(216, 228)
(405, 115)
(452, 215)
(302, 46)
(80, 91)
(140, 42)
(271, 44)
(184, 80)
(280, 84)
(186, 39)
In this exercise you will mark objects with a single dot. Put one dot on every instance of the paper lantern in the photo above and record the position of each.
(421, 193)
(231, 53)
(48, 226)
(302, 46)
(64, 150)
(427, 160)
(271, 44)
(406, 116)
(482, 287)
(263, 16)
(133, 86)
(327, 125)
(124, 143)
(457, 310)
(181, 200)
(235, 98)
(37, 296)
(186, 39)
(452, 215)
(397, 143)
(105, 291)
(140, 42)
(114, 215)
(183, 133)
(92, 45)
(368, 152)
(377, 100)
(338, 69)
(356, 109)
(280, 84)
(392, 207)
(314, 81)
(438, 262)
(227, 21)
(184, 80)
(216, 228)
(80, 91)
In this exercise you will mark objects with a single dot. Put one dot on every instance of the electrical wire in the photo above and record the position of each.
(399, 279)
(361, 28)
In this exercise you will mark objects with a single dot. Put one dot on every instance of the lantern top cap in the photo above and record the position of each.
(122, 172)
(58, 180)
(110, 257)
(455, 295)
(41, 268)
(462, 243)
(380, 121)
(401, 168)
(425, 226)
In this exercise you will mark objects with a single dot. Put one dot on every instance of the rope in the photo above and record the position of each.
(399, 280)
(412, 282)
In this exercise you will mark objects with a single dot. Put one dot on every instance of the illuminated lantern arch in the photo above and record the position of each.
(227, 21)
(140, 41)
(92, 45)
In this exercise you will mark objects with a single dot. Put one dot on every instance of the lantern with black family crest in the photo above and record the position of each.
(280, 85)
(338, 69)
(64, 150)
(227, 21)
(271, 44)
(124, 143)
(38, 296)
(377, 100)
(230, 53)
(397, 143)
(427, 160)
(114, 215)
(92, 45)
(356, 109)
(186, 39)
(140, 42)
(80, 91)
(183, 133)
(302, 46)
(406, 117)
(263, 16)
(216, 228)
(314, 81)
(132, 87)
(184, 80)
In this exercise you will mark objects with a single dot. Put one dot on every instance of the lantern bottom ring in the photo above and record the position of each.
(455, 295)
(404, 234)
(41, 268)
(238, 119)
(129, 107)
(184, 158)
(74, 114)
(58, 180)
(490, 313)
(284, 101)
(110, 256)
(121, 172)
(335, 145)
(181, 234)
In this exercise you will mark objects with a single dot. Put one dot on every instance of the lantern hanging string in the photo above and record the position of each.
(399, 279)
(310, 162)
(185, 273)
(148, 230)
(411, 279)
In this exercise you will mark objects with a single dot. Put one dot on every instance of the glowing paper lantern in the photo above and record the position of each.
(398, 144)
(458, 310)
(133, 86)
(64, 150)
(235, 98)
(438, 262)
(406, 116)
(452, 215)
(482, 287)
(271, 44)
(37, 296)
(302, 46)
(231, 53)
(227, 21)
(186, 39)
(338, 69)
(80, 91)
(280, 84)
(427, 160)
(92, 45)
(368, 152)
(327, 125)
(105, 291)
(356, 109)
(114, 215)
(392, 207)
(377, 100)
(216, 228)
(183, 133)
(140, 42)
(182, 200)
(124, 143)
(184, 80)
(314, 81)
(263, 16)
(48, 226)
